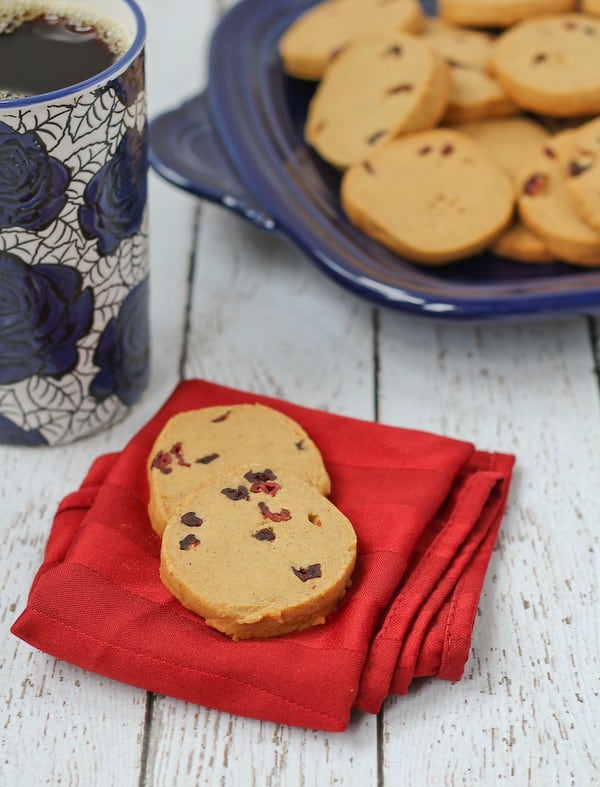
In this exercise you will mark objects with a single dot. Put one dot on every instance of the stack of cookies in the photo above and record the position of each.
(472, 130)
(249, 539)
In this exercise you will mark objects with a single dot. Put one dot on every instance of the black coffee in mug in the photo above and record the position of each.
(42, 51)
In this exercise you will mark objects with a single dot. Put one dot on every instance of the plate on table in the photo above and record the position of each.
(240, 144)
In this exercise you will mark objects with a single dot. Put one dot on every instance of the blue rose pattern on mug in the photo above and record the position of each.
(74, 349)
(116, 195)
(33, 184)
(43, 314)
(122, 353)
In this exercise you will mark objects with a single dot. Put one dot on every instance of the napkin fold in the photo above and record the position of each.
(426, 509)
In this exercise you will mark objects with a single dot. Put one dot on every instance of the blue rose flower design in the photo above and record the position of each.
(131, 82)
(43, 313)
(33, 184)
(11, 434)
(115, 198)
(123, 351)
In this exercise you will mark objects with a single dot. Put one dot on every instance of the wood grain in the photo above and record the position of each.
(527, 710)
(259, 316)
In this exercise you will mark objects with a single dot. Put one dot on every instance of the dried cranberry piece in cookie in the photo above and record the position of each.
(310, 572)
(265, 534)
(206, 460)
(189, 542)
(263, 482)
(283, 516)
(191, 520)
(241, 493)
(177, 451)
(162, 462)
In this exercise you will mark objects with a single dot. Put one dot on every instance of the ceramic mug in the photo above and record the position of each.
(74, 338)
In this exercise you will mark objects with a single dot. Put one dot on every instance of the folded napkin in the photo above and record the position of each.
(426, 510)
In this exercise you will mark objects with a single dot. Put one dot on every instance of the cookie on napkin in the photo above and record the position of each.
(392, 483)
(196, 445)
(318, 36)
(433, 197)
(258, 553)
(375, 90)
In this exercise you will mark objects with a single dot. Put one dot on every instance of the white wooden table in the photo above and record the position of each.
(528, 709)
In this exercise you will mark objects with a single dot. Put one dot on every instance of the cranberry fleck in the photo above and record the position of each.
(447, 149)
(206, 460)
(283, 516)
(241, 493)
(337, 51)
(395, 50)
(161, 462)
(375, 137)
(219, 419)
(535, 184)
(191, 520)
(575, 168)
(189, 542)
(266, 534)
(425, 150)
(310, 572)
(261, 475)
(548, 151)
(177, 451)
(404, 87)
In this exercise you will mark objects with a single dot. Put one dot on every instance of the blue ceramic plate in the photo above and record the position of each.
(240, 144)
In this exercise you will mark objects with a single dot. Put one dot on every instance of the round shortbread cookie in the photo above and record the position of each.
(196, 445)
(499, 13)
(474, 94)
(510, 140)
(434, 197)
(591, 7)
(520, 244)
(375, 90)
(546, 208)
(551, 65)
(258, 553)
(582, 172)
(318, 36)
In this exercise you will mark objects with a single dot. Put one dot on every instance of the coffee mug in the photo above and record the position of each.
(74, 336)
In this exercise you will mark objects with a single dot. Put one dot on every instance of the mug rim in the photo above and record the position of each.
(102, 76)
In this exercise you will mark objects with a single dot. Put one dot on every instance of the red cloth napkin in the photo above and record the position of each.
(426, 510)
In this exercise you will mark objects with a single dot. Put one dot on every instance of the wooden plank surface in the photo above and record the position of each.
(60, 725)
(527, 710)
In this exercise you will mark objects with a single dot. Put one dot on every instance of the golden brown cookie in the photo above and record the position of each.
(499, 13)
(520, 244)
(591, 7)
(551, 65)
(258, 553)
(377, 89)
(582, 172)
(310, 43)
(474, 93)
(510, 140)
(194, 446)
(433, 197)
(545, 205)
